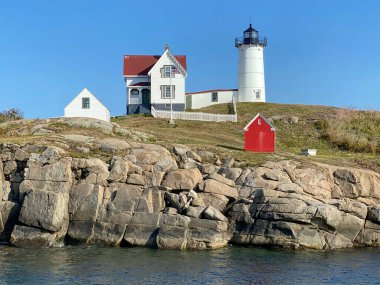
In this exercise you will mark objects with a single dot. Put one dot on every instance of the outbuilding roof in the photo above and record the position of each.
(254, 119)
(141, 64)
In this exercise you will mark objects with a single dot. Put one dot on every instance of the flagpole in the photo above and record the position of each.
(171, 96)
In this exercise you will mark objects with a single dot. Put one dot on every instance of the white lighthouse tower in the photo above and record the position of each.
(251, 66)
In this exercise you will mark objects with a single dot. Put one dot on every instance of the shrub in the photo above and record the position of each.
(11, 115)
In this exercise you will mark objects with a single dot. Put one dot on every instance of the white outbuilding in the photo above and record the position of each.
(87, 105)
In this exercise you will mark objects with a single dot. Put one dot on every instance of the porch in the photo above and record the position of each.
(139, 94)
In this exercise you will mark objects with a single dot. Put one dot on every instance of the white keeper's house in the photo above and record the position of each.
(155, 81)
(86, 105)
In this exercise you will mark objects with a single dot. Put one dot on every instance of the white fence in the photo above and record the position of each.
(194, 116)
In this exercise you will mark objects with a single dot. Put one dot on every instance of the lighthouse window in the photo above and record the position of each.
(257, 94)
(214, 97)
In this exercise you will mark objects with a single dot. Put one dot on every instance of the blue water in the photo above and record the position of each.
(232, 265)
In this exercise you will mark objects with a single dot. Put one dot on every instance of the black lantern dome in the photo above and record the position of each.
(251, 37)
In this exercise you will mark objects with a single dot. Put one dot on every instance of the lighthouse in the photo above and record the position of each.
(251, 66)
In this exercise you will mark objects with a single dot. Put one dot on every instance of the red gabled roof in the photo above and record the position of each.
(141, 84)
(142, 64)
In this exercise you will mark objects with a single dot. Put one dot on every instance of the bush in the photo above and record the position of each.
(11, 115)
(357, 131)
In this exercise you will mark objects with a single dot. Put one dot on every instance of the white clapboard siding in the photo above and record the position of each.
(194, 116)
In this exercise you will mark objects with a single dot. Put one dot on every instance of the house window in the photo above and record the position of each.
(214, 97)
(135, 92)
(168, 70)
(165, 92)
(257, 94)
(259, 122)
(85, 103)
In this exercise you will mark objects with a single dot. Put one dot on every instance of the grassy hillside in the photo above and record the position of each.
(319, 127)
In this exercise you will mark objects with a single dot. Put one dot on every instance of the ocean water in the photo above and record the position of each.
(232, 265)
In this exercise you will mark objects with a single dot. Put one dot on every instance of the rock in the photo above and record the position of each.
(9, 212)
(156, 156)
(216, 187)
(210, 199)
(374, 214)
(228, 162)
(213, 214)
(21, 155)
(184, 179)
(143, 229)
(193, 155)
(192, 194)
(44, 209)
(27, 237)
(221, 179)
(151, 201)
(9, 167)
(230, 173)
(138, 179)
(289, 187)
(82, 149)
(113, 145)
(90, 123)
(351, 207)
(195, 212)
(170, 211)
(207, 168)
(180, 149)
(173, 201)
(119, 170)
(59, 171)
(345, 174)
(50, 155)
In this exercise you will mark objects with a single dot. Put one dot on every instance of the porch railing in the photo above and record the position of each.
(194, 116)
(135, 100)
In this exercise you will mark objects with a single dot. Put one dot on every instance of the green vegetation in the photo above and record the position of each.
(11, 115)
(357, 131)
(318, 127)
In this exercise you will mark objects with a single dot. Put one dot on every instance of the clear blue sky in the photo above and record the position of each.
(319, 51)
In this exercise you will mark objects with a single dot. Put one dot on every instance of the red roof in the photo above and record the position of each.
(142, 64)
(141, 84)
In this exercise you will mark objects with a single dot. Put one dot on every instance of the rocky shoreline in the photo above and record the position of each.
(151, 197)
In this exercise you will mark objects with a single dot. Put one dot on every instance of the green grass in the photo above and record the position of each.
(227, 139)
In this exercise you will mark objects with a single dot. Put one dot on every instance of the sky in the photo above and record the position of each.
(320, 52)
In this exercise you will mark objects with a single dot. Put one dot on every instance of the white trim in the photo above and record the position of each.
(259, 115)
(84, 90)
(183, 70)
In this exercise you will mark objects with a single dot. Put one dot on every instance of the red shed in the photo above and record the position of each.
(259, 135)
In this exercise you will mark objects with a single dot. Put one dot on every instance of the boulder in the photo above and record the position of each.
(230, 173)
(216, 187)
(27, 237)
(119, 170)
(143, 229)
(184, 179)
(374, 214)
(195, 212)
(9, 212)
(210, 199)
(45, 209)
(213, 214)
(113, 145)
(222, 179)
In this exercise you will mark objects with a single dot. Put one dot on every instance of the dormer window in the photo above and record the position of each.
(168, 70)
(85, 103)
